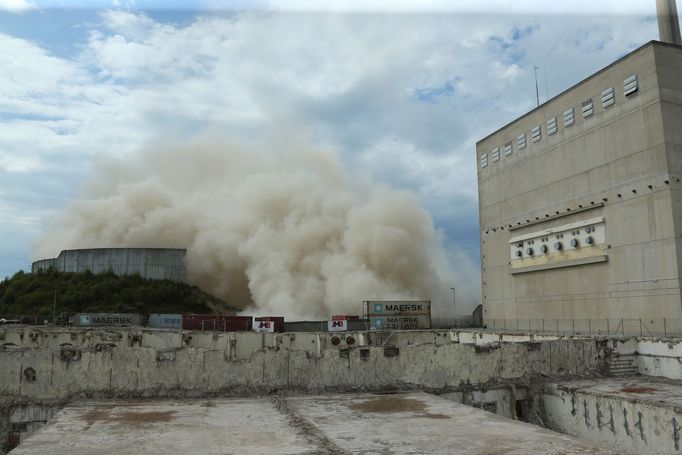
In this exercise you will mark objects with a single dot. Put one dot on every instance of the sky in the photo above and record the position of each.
(401, 90)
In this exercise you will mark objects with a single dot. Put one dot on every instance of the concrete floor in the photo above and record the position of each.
(349, 423)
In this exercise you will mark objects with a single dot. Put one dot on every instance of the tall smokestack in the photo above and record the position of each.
(668, 23)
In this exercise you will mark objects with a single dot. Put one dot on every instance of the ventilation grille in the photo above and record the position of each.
(521, 141)
(630, 85)
(507, 149)
(607, 97)
(551, 126)
(588, 108)
(535, 134)
(496, 154)
(484, 160)
(569, 117)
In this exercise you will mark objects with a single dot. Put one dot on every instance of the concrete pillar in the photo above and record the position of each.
(668, 22)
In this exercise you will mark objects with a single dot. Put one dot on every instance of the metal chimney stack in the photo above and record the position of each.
(668, 22)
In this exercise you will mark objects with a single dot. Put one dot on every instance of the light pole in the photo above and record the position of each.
(454, 306)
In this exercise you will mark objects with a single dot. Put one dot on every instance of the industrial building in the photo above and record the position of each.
(154, 263)
(580, 198)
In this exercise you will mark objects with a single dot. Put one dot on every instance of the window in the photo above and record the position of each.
(496, 154)
(508, 149)
(551, 126)
(569, 118)
(484, 160)
(535, 134)
(630, 85)
(607, 97)
(588, 108)
(521, 141)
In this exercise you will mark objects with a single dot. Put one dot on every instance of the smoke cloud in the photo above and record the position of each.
(288, 231)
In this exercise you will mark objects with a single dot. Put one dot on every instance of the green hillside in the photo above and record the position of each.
(34, 294)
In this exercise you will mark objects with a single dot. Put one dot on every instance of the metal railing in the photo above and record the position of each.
(612, 326)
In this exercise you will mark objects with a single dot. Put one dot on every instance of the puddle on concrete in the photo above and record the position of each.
(103, 415)
(395, 403)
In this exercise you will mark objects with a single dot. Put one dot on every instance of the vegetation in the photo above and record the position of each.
(34, 294)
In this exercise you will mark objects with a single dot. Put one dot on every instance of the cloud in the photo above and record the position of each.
(16, 6)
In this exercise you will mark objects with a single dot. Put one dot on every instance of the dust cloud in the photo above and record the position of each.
(288, 231)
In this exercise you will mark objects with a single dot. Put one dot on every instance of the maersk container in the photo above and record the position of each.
(217, 322)
(397, 307)
(165, 321)
(106, 319)
(400, 322)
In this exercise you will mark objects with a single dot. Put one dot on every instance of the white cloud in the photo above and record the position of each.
(16, 6)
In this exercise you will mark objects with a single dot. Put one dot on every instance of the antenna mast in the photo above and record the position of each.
(537, 90)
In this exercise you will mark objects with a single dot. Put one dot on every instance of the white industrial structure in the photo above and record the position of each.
(154, 263)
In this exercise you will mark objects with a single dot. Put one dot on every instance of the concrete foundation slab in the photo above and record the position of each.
(351, 423)
(634, 415)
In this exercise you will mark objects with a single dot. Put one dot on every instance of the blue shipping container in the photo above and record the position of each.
(165, 321)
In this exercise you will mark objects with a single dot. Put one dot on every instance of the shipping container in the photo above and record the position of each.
(358, 325)
(338, 325)
(398, 307)
(165, 321)
(345, 317)
(217, 322)
(400, 322)
(305, 326)
(106, 319)
(269, 324)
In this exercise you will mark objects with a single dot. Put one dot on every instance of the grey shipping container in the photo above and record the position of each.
(400, 322)
(106, 319)
(397, 307)
(165, 321)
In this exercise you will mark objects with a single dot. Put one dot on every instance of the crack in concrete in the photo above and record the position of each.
(306, 428)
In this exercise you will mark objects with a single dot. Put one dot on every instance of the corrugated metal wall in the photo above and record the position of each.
(154, 263)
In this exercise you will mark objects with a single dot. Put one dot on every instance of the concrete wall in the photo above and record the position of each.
(154, 263)
(625, 424)
(652, 357)
(157, 362)
(616, 165)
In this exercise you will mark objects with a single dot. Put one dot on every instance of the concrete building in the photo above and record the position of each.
(154, 263)
(581, 201)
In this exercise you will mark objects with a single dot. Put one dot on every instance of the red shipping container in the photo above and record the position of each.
(217, 322)
(278, 320)
(345, 317)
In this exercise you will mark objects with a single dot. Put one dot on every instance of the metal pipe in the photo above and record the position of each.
(668, 22)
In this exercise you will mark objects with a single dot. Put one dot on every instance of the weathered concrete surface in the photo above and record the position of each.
(401, 423)
(40, 363)
(633, 415)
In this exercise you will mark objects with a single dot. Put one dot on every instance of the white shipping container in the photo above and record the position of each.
(337, 326)
(264, 326)
(106, 319)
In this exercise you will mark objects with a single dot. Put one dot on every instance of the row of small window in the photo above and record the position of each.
(608, 98)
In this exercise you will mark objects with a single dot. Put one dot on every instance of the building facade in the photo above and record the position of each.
(154, 263)
(581, 200)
